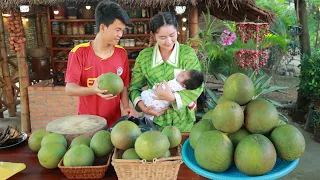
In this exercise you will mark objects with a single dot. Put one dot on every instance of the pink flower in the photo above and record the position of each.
(227, 38)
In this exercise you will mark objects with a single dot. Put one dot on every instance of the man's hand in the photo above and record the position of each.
(128, 112)
(102, 93)
(164, 93)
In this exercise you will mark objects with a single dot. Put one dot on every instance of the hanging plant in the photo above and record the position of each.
(254, 31)
(15, 29)
(254, 59)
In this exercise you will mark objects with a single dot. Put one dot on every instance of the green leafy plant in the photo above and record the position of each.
(316, 118)
(310, 77)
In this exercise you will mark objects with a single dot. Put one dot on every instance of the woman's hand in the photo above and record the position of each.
(102, 93)
(164, 93)
(150, 110)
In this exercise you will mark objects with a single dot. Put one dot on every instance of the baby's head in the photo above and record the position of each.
(190, 79)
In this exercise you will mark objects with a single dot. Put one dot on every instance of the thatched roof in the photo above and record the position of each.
(234, 10)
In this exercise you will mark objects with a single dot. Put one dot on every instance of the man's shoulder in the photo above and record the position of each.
(81, 47)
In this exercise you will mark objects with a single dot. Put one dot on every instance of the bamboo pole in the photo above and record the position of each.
(6, 72)
(193, 24)
(24, 83)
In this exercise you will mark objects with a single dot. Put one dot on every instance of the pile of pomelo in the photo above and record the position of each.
(125, 135)
(244, 131)
(52, 147)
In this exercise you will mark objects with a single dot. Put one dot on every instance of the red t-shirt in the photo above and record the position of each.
(84, 66)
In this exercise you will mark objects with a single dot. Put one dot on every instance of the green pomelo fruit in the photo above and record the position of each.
(151, 144)
(130, 154)
(239, 88)
(238, 136)
(228, 117)
(261, 117)
(289, 142)
(214, 151)
(124, 135)
(50, 154)
(101, 143)
(199, 128)
(35, 139)
(54, 137)
(79, 155)
(111, 82)
(173, 134)
(85, 140)
(255, 155)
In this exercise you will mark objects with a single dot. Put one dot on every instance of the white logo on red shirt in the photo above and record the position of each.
(119, 71)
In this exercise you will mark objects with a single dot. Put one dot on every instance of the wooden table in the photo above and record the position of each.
(34, 171)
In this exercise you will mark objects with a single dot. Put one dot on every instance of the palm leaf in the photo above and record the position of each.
(258, 81)
(271, 89)
(211, 105)
(266, 83)
(283, 117)
(222, 77)
(212, 95)
(275, 103)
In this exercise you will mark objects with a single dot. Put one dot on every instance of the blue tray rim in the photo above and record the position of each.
(211, 175)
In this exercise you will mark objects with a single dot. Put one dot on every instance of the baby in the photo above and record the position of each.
(188, 79)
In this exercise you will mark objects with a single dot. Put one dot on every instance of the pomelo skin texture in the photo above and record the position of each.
(255, 155)
(238, 136)
(151, 144)
(130, 154)
(110, 82)
(289, 142)
(50, 154)
(239, 88)
(261, 117)
(54, 137)
(173, 134)
(79, 155)
(35, 139)
(228, 117)
(199, 128)
(80, 140)
(214, 151)
(101, 143)
(124, 135)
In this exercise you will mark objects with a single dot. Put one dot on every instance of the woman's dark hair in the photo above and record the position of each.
(107, 12)
(162, 19)
(195, 81)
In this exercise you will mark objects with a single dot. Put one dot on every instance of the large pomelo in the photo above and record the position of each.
(228, 117)
(199, 128)
(101, 143)
(35, 139)
(151, 144)
(289, 142)
(110, 82)
(54, 137)
(124, 135)
(79, 155)
(50, 154)
(255, 155)
(261, 117)
(173, 134)
(214, 151)
(207, 115)
(222, 99)
(239, 88)
(80, 140)
(238, 136)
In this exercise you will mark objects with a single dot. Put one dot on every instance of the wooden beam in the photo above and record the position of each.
(193, 23)
(6, 72)
(39, 30)
(24, 83)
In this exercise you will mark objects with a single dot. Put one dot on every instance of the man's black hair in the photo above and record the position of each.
(195, 81)
(107, 12)
(162, 19)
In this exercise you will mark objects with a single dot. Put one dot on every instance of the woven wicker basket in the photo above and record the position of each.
(159, 169)
(85, 172)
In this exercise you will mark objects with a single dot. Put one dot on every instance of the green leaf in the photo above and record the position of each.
(258, 80)
(283, 117)
(275, 103)
(199, 115)
(222, 77)
(266, 84)
(271, 89)
(211, 105)
(212, 95)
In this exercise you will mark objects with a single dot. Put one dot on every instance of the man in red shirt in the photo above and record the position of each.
(88, 61)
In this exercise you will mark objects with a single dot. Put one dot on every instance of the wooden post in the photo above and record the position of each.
(39, 30)
(193, 23)
(6, 72)
(24, 83)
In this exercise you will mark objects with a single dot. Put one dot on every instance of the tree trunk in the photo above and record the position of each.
(6, 72)
(317, 35)
(193, 24)
(301, 7)
(24, 83)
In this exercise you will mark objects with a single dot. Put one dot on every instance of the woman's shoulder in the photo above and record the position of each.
(186, 48)
(147, 50)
